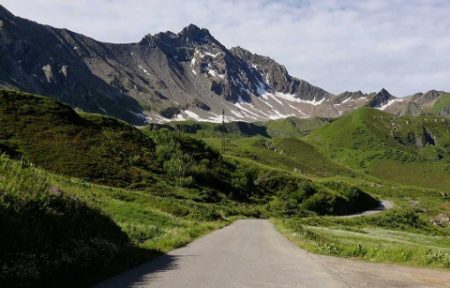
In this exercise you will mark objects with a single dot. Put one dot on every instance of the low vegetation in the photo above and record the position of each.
(67, 230)
(161, 190)
(48, 236)
(397, 236)
(90, 196)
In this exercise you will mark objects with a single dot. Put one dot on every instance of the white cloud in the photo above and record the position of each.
(336, 44)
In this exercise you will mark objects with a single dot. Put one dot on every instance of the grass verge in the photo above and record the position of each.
(58, 231)
(394, 237)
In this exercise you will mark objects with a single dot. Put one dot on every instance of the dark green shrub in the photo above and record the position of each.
(49, 241)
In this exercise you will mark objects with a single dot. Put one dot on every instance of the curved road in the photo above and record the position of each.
(384, 205)
(247, 253)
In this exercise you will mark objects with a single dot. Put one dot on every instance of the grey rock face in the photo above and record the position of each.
(188, 75)
(45, 60)
(380, 98)
(161, 76)
(276, 77)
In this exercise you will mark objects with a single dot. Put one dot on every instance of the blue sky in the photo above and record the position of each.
(403, 46)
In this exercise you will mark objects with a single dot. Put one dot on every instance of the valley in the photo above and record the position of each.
(176, 161)
(159, 185)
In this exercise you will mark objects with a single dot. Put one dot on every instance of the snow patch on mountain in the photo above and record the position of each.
(213, 55)
(389, 103)
(293, 98)
(214, 73)
(143, 70)
(47, 69)
(346, 100)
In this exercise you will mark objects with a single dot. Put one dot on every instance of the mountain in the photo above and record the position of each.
(431, 102)
(55, 62)
(167, 76)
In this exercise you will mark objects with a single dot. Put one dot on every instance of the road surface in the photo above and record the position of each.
(384, 205)
(252, 254)
(247, 253)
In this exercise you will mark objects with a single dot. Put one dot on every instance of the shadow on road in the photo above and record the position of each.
(142, 274)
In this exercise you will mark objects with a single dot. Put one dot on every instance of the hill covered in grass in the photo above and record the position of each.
(442, 105)
(294, 127)
(369, 130)
(103, 150)
(413, 150)
(65, 232)
(53, 136)
(48, 238)
(291, 154)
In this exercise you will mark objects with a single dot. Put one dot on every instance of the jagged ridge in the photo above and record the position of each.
(167, 76)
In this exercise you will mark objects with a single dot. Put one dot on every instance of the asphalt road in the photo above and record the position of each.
(384, 205)
(245, 254)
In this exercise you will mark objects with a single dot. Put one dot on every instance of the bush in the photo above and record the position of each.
(400, 219)
(48, 239)
(51, 240)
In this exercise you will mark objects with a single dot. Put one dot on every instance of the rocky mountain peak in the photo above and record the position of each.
(184, 75)
(193, 33)
(190, 34)
(433, 93)
(4, 13)
(380, 98)
(242, 53)
(384, 93)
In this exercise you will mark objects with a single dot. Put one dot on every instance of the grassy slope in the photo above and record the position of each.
(48, 238)
(385, 146)
(76, 217)
(100, 149)
(104, 150)
(440, 104)
(92, 147)
(294, 127)
(291, 154)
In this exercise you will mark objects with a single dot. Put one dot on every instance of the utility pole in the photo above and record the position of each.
(224, 132)
(178, 122)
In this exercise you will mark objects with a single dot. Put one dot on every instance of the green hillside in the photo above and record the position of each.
(64, 232)
(103, 150)
(291, 154)
(82, 186)
(441, 104)
(47, 236)
(53, 136)
(294, 127)
(404, 149)
(369, 129)
(207, 129)
(165, 163)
